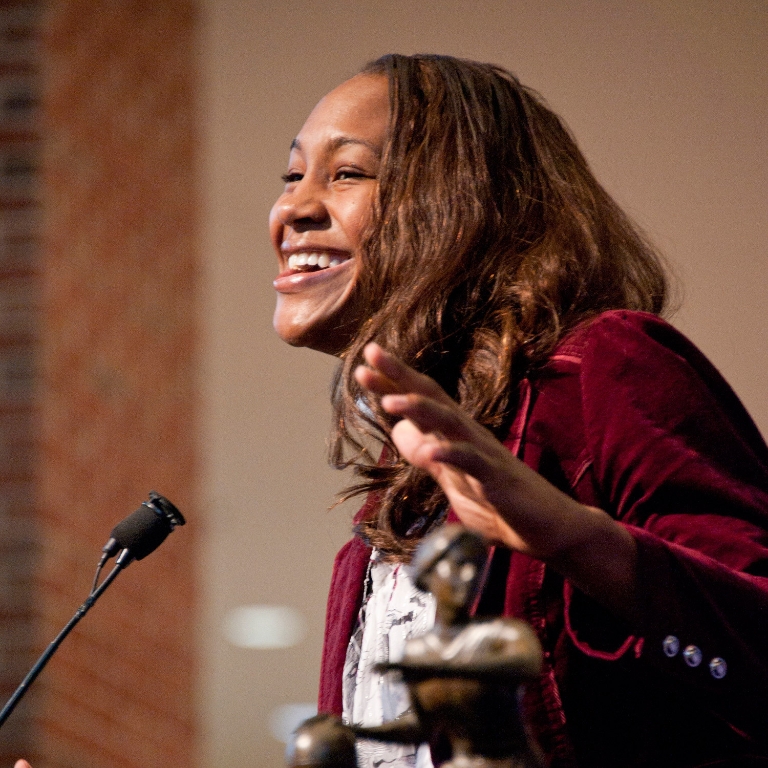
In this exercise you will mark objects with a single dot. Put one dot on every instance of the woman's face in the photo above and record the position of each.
(317, 223)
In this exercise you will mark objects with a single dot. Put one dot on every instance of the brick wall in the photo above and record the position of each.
(114, 413)
(19, 289)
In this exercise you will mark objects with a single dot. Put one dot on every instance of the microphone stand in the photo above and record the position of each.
(134, 538)
(123, 559)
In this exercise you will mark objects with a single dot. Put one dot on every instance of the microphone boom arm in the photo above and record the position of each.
(136, 537)
(51, 649)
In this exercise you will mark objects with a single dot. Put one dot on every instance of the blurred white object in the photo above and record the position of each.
(264, 626)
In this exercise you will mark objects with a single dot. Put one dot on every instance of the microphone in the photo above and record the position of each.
(144, 530)
(140, 534)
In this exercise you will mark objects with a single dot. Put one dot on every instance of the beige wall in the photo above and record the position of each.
(667, 99)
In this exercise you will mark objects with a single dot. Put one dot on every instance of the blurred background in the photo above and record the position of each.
(141, 144)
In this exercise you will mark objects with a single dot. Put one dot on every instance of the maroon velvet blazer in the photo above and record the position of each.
(630, 417)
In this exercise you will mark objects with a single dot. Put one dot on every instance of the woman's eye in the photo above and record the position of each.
(351, 173)
(290, 178)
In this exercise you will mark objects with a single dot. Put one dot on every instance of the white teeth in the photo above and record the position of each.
(314, 259)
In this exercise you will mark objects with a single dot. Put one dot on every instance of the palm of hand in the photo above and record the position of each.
(478, 504)
(491, 491)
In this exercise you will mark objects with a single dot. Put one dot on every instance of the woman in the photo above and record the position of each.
(497, 320)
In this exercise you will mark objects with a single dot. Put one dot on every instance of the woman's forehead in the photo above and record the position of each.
(358, 108)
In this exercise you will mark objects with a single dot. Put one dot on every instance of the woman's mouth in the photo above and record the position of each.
(313, 261)
(305, 270)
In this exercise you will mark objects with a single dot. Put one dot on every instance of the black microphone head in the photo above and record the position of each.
(165, 508)
(144, 530)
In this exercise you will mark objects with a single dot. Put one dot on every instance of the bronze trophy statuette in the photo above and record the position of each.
(464, 676)
(322, 741)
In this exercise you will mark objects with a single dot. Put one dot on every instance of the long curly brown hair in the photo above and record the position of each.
(490, 240)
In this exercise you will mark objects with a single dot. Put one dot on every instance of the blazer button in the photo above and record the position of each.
(692, 656)
(718, 668)
(671, 646)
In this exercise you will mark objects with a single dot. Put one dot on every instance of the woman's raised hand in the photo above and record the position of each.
(21, 764)
(490, 490)
(493, 492)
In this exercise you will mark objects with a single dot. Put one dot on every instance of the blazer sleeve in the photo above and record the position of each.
(676, 459)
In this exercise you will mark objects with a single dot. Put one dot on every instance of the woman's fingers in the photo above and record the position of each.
(424, 447)
(491, 491)
(464, 442)
(478, 475)
(388, 375)
(21, 764)
(456, 467)
(374, 381)
(437, 429)
(478, 464)
(415, 446)
(431, 416)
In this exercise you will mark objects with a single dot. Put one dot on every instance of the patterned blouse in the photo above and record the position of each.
(393, 611)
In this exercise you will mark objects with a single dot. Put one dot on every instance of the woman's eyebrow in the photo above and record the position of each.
(342, 141)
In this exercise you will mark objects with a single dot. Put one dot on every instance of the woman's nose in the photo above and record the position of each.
(302, 206)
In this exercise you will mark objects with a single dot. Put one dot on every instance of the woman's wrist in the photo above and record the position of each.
(601, 562)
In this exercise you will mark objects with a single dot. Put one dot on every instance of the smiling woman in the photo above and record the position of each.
(497, 318)
(318, 222)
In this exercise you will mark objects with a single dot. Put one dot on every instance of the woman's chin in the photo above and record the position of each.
(331, 338)
(325, 326)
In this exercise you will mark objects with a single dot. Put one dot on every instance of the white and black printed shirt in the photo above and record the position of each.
(393, 611)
